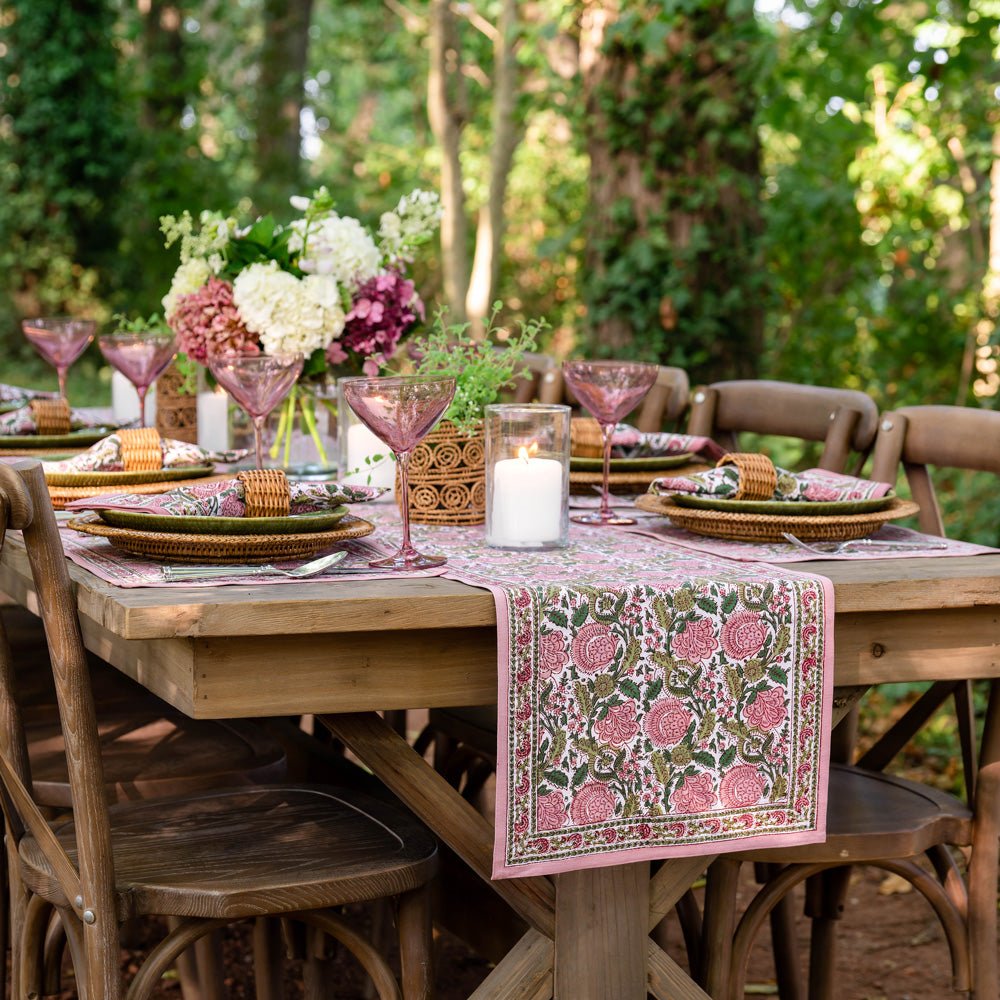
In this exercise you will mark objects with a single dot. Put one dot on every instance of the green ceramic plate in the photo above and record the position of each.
(127, 478)
(322, 520)
(796, 508)
(577, 464)
(78, 438)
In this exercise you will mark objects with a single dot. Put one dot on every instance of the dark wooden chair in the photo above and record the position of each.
(844, 420)
(540, 380)
(201, 860)
(882, 820)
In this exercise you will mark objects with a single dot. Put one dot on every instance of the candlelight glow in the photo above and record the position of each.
(525, 453)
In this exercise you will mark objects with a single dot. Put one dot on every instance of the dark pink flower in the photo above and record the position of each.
(208, 321)
(593, 803)
(767, 710)
(741, 786)
(743, 635)
(594, 647)
(666, 722)
(550, 811)
(619, 725)
(696, 794)
(697, 641)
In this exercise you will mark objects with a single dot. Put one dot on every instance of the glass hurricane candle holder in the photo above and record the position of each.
(363, 459)
(527, 476)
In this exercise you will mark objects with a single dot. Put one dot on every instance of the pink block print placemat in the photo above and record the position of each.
(653, 702)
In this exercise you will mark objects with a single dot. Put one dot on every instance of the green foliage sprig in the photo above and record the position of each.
(154, 323)
(481, 368)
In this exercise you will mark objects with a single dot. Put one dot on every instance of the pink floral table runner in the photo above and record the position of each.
(653, 702)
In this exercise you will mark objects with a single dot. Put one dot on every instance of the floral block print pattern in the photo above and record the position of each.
(813, 484)
(106, 456)
(226, 498)
(654, 701)
(16, 393)
(22, 422)
(627, 442)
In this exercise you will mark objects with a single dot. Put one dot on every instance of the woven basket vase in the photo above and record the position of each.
(448, 477)
(176, 413)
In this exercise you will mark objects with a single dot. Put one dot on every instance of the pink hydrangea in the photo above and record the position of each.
(384, 308)
(207, 321)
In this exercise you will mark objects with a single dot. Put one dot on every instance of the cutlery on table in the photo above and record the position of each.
(173, 574)
(836, 548)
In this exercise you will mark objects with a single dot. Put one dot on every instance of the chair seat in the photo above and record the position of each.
(871, 815)
(150, 751)
(241, 852)
(474, 725)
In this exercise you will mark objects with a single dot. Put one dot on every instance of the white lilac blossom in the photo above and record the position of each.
(188, 278)
(411, 225)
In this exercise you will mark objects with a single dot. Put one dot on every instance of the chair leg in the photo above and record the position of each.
(718, 924)
(268, 955)
(187, 967)
(826, 906)
(208, 957)
(982, 921)
(415, 945)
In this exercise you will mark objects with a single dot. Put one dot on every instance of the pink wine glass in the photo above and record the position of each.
(258, 382)
(401, 410)
(60, 340)
(141, 357)
(609, 390)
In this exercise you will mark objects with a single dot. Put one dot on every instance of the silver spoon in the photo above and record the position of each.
(873, 543)
(172, 574)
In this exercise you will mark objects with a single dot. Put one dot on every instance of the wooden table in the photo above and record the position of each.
(351, 648)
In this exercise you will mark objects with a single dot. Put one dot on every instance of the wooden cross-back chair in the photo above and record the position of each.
(877, 819)
(664, 404)
(203, 860)
(844, 420)
(539, 381)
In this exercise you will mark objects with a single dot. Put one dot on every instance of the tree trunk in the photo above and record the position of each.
(164, 97)
(280, 98)
(446, 110)
(673, 268)
(506, 136)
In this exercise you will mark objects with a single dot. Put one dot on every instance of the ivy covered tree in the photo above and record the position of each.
(674, 270)
(65, 155)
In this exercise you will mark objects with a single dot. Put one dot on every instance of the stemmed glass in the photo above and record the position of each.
(609, 390)
(142, 357)
(60, 340)
(258, 382)
(400, 410)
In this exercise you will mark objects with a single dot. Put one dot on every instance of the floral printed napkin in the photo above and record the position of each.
(22, 421)
(813, 484)
(18, 394)
(627, 442)
(226, 499)
(106, 456)
(653, 701)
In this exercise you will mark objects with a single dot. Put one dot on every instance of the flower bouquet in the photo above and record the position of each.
(323, 286)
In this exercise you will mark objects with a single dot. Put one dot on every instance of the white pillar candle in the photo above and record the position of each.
(527, 502)
(213, 420)
(363, 469)
(125, 401)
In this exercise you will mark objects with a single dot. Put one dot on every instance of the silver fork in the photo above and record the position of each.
(864, 543)
(173, 574)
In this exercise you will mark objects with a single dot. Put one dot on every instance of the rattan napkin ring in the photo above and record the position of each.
(585, 438)
(265, 492)
(141, 449)
(51, 416)
(758, 477)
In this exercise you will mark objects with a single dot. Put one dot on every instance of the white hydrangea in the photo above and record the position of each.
(288, 314)
(338, 246)
(188, 278)
(412, 224)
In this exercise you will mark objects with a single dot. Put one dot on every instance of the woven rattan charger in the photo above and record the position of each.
(263, 498)
(755, 478)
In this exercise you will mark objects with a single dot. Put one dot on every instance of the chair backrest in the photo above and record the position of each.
(664, 404)
(541, 380)
(25, 505)
(845, 420)
(951, 437)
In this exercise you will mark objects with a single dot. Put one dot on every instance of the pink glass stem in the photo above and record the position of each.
(606, 514)
(406, 549)
(62, 371)
(142, 390)
(258, 439)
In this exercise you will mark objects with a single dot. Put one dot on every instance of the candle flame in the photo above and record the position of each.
(525, 453)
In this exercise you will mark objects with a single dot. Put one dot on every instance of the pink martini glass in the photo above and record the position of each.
(258, 382)
(141, 357)
(401, 410)
(609, 390)
(60, 340)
